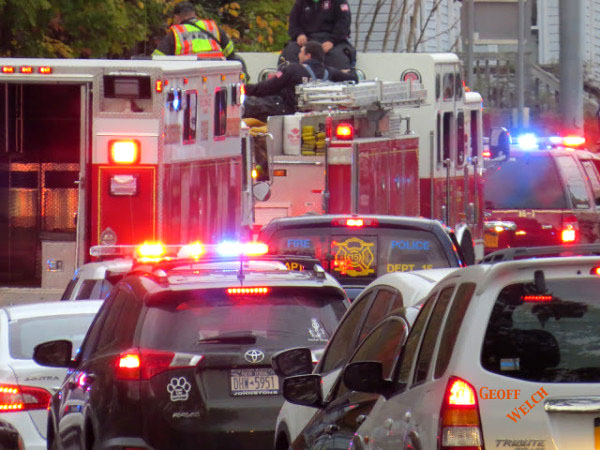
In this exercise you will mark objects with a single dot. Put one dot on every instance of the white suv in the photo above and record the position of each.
(387, 293)
(504, 355)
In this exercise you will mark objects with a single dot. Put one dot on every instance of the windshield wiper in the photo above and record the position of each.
(235, 337)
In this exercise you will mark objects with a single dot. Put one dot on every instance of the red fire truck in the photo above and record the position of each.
(416, 150)
(115, 152)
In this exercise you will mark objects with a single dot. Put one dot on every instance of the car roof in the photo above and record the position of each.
(413, 285)
(97, 270)
(57, 308)
(326, 219)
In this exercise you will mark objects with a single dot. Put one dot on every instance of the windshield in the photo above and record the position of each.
(359, 256)
(284, 319)
(25, 334)
(527, 182)
(552, 337)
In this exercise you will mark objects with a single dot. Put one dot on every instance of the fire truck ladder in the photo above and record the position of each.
(372, 94)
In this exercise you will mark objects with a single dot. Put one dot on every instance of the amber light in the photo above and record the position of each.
(124, 152)
(151, 251)
(248, 291)
(26, 69)
(158, 86)
(45, 70)
(344, 132)
(573, 141)
(8, 69)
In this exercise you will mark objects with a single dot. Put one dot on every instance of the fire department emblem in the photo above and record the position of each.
(354, 257)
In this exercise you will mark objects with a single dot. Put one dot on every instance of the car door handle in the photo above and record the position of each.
(361, 418)
(332, 429)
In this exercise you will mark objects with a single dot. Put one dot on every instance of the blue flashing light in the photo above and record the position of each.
(555, 140)
(528, 141)
(229, 248)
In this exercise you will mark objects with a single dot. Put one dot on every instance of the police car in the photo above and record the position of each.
(500, 355)
(358, 249)
(179, 355)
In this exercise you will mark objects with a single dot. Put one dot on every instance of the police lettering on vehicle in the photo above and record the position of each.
(410, 244)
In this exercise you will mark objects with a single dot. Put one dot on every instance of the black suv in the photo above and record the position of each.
(358, 249)
(179, 355)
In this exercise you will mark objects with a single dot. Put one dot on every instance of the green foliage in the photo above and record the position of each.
(122, 28)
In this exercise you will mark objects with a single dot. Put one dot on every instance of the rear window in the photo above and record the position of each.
(527, 182)
(283, 318)
(555, 340)
(357, 258)
(25, 334)
(93, 290)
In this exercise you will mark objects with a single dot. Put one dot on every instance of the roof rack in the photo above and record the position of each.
(511, 254)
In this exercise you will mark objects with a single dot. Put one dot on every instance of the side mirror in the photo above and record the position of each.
(367, 376)
(303, 390)
(295, 361)
(54, 354)
(261, 191)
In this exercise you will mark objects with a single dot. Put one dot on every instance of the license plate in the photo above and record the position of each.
(253, 382)
(490, 240)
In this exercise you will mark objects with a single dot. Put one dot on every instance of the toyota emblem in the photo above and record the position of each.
(254, 356)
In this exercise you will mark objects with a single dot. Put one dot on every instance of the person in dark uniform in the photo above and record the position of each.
(277, 95)
(324, 21)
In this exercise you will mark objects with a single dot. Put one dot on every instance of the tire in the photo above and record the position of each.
(282, 442)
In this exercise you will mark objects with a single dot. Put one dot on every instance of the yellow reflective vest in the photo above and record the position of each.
(202, 38)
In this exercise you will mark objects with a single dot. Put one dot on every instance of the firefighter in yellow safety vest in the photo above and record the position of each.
(191, 36)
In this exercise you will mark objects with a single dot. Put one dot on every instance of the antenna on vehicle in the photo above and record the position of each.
(240, 275)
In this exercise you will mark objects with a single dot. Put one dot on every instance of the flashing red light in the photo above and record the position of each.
(8, 69)
(536, 298)
(45, 70)
(248, 291)
(158, 86)
(595, 270)
(570, 230)
(124, 152)
(344, 132)
(573, 141)
(151, 251)
(357, 223)
(486, 154)
(186, 81)
(26, 69)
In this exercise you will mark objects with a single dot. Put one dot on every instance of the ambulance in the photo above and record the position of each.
(116, 152)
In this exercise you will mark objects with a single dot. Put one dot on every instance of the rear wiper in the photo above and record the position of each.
(236, 337)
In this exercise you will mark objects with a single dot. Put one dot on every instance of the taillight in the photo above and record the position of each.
(23, 398)
(354, 222)
(459, 418)
(595, 270)
(570, 230)
(537, 298)
(248, 291)
(143, 364)
(344, 131)
(124, 152)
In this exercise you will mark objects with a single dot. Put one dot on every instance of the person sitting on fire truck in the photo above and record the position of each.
(325, 21)
(277, 95)
(191, 36)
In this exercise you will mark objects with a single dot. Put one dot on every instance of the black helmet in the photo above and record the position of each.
(183, 8)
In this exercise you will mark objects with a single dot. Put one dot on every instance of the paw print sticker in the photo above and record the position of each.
(179, 389)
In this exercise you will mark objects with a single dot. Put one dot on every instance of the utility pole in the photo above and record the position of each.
(571, 65)
(521, 64)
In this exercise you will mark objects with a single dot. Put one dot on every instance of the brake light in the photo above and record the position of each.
(536, 298)
(143, 364)
(459, 417)
(595, 270)
(23, 398)
(570, 230)
(354, 222)
(45, 70)
(344, 132)
(26, 69)
(8, 69)
(124, 152)
(248, 291)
